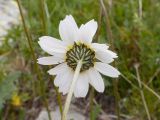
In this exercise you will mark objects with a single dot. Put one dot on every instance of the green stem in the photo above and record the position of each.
(43, 18)
(59, 100)
(142, 93)
(29, 39)
(99, 26)
(152, 91)
(129, 81)
(58, 97)
(148, 88)
(140, 9)
(116, 93)
(110, 37)
(42, 9)
(41, 83)
(95, 40)
(91, 103)
(69, 96)
(43, 14)
(47, 108)
(108, 25)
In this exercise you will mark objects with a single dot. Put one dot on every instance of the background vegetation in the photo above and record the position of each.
(135, 28)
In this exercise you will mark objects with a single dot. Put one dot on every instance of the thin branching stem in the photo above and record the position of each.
(108, 25)
(110, 116)
(142, 93)
(41, 83)
(129, 81)
(95, 40)
(91, 97)
(58, 96)
(110, 38)
(147, 87)
(152, 91)
(154, 75)
(29, 39)
(42, 9)
(140, 9)
(59, 100)
(45, 17)
(99, 26)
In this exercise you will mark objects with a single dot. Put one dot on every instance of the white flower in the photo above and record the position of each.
(76, 44)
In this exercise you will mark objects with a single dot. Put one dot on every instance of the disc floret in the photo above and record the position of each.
(80, 51)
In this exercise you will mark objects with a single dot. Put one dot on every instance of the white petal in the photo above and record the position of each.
(65, 86)
(65, 89)
(57, 79)
(50, 60)
(60, 55)
(106, 69)
(99, 47)
(102, 56)
(68, 29)
(82, 85)
(112, 54)
(51, 45)
(61, 68)
(87, 31)
(62, 78)
(96, 80)
(106, 57)
(103, 48)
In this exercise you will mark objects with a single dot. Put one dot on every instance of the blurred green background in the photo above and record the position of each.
(135, 26)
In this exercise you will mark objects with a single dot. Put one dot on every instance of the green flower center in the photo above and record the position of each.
(78, 52)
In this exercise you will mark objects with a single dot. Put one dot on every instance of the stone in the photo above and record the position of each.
(73, 114)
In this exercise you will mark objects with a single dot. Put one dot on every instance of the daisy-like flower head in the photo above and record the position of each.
(76, 44)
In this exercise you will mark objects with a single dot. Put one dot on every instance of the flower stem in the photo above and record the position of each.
(69, 96)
